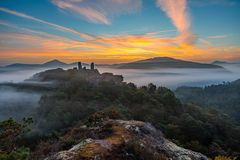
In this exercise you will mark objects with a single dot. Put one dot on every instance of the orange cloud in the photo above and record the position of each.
(32, 44)
(177, 12)
(108, 49)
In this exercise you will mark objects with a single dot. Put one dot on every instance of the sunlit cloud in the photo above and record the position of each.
(108, 49)
(99, 11)
(176, 10)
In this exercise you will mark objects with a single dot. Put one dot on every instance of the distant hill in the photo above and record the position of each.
(20, 65)
(163, 62)
(48, 65)
(52, 63)
(226, 64)
(152, 63)
(219, 62)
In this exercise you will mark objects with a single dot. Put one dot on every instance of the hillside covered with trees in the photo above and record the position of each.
(79, 101)
(224, 97)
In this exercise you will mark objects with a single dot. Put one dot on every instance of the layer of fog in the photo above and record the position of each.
(173, 78)
(20, 75)
(17, 104)
(170, 78)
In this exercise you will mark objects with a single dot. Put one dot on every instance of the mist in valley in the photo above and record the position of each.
(19, 75)
(173, 78)
(17, 103)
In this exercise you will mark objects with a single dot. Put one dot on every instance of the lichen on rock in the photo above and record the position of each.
(128, 140)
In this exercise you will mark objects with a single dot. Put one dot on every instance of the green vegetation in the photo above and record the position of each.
(190, 126)
(223, 97)
(10, 135)
(77, 101)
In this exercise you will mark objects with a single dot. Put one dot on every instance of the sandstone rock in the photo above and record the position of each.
(127, 140)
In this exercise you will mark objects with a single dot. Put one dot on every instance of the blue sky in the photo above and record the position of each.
(206, 25)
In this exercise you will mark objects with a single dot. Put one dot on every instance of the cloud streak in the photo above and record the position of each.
(98, 11)
(54, 26)
(217, 36)
(35, 32)
(176, 10)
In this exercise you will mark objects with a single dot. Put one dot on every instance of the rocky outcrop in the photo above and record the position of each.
(90, 75)
(125, 140)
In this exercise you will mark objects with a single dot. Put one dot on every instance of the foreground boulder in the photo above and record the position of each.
(125, 140)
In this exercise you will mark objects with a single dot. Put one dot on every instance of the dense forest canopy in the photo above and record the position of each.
(224, 97)
(74, 100)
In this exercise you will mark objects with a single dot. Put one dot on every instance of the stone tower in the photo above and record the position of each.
(92, 66)
(79, 65)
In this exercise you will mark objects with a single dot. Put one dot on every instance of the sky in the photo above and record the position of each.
(116, 31)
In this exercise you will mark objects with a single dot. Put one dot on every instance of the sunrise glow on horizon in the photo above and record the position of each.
(116, 31)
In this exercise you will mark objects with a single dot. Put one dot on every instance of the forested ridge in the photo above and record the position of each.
(75, 101)
(223, 97)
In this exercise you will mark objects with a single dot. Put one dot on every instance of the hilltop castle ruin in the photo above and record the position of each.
(80, 66)
(93, 75)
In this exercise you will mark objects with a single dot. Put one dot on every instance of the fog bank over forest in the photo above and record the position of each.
(13, 101)
(171, 78)
(17, 104)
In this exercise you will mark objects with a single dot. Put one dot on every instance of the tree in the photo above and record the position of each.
(10, 132)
